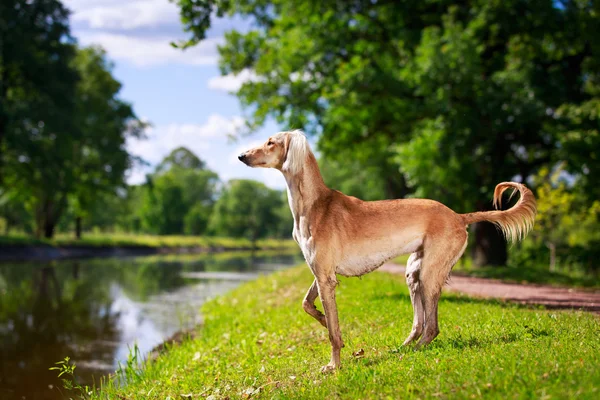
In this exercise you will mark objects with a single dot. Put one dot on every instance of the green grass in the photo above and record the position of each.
(258, 342)
(116, 240)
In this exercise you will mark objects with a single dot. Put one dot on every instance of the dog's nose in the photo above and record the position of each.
(242, 156)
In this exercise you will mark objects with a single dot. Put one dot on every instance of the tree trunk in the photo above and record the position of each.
(49, 228)
(3, 123)
(3, 112)
(489, 247)
(50, 214)
(78, 228)
(552, 247)
(395, 185)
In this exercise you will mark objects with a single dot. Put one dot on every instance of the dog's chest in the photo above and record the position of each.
(303, 237)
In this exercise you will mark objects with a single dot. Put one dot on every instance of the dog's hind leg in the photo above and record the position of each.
(439, 257)
(308, 304)
(413, 270)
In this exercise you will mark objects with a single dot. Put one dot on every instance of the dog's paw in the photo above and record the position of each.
(331, 367)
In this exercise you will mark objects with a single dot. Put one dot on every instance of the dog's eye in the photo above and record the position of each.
(270, 143)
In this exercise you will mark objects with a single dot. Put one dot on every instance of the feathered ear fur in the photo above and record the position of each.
(297, 151)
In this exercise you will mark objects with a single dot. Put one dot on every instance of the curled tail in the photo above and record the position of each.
(515, 222)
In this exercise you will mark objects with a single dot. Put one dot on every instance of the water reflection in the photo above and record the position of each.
(94, 310)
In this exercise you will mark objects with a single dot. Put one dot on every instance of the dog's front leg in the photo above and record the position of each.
(309, 304)
(327, 292)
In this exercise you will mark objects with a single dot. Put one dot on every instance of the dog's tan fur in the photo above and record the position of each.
(340, 234)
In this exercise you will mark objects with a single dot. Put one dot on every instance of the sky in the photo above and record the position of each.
(181, 93)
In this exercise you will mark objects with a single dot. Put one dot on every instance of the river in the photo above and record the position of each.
(94, 311)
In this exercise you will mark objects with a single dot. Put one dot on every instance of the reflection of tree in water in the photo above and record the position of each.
(45, 312)
(154, 274)
(49, 311)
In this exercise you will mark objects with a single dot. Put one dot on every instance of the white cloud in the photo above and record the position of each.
(119, 14)
(144, 51)
(232, 82)
(162, 139)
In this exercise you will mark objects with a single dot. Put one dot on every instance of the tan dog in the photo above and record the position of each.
(339, 234)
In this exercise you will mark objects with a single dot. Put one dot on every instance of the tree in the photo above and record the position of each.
(181, 157)
(444, 100)
(179, 196)
(36, 81)
(566, 224)
(75, 153)
(103, 123)
(353, 179)
(284, 219)
(37, 85)
(247, 209)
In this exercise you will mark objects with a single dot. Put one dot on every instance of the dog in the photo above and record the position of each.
(343, 235)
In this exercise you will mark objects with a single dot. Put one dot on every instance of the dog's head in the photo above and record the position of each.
(285, 151)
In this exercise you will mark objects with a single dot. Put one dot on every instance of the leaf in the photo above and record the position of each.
(359, 354)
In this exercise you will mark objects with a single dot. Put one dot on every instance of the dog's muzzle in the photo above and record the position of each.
(243, 158)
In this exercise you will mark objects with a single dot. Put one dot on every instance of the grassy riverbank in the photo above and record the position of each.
(257, 342)
(127, 240)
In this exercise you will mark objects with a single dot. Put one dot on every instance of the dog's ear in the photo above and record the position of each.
(296, 147)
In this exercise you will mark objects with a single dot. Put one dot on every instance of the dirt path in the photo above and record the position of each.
(551, 297)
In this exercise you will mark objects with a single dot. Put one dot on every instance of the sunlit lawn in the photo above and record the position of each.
(121, 239)
(258, 342)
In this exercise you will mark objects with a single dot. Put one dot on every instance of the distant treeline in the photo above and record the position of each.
(181, 197)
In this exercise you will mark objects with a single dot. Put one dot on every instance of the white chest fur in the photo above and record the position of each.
(303, 237)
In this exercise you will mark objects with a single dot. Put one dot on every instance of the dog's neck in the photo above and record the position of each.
(305, 187)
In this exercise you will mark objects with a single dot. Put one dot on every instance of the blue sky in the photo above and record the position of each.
(180, 92)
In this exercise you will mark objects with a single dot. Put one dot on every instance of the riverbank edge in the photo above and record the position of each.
(243, 359)
(45, 252)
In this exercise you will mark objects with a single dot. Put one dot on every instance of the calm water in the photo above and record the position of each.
(94, 310)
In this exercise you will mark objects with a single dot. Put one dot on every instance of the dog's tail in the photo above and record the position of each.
(515, 222)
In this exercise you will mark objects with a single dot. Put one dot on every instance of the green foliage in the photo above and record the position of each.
(351, 178)
(246, 209)
(34, 106)
(180, 157)
(258, 340)
(196, 220)
(66, 371)
(36, 109)
(51, 163)
(103, 122)
(566, 235)
(125, 373)
(439, 99)
(179, 196)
